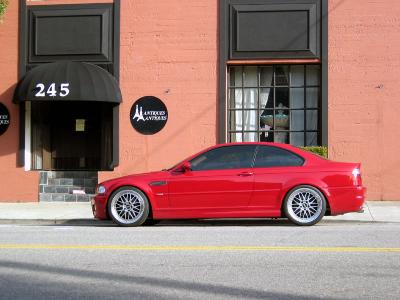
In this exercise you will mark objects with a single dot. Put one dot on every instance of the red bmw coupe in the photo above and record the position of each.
(237, 180)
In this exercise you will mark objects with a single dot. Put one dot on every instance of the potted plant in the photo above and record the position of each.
(281, 118)
(320, 150)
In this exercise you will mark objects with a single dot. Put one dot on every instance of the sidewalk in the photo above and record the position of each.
(374, 211)
(45, 213)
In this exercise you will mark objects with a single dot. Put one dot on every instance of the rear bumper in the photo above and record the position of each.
(346, 199)
(99, 207)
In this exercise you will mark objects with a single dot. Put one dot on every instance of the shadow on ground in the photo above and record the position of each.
(184, 223)
(58, 282)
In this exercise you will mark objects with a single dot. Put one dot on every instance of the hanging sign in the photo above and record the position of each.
(148, 115)
(4, 118)
(80, 125)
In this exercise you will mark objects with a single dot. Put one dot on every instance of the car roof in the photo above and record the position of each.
(281, 145)
(309, 157)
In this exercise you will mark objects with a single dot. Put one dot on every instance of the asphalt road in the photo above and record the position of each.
(201, 260)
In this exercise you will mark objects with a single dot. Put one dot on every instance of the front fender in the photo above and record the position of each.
(156, 195)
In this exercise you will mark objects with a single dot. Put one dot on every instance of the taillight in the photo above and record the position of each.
(356, 177)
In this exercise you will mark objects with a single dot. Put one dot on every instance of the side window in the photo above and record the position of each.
(275, 157)
(230, 157)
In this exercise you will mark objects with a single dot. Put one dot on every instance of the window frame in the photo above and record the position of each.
(225, 61)
(273, 87)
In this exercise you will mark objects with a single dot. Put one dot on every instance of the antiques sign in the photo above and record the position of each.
(148, 115)
(4, 118)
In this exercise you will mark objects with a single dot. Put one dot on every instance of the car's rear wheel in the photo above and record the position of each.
(304, 205)
(128, 206)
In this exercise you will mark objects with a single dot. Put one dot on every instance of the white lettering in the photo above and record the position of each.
(150, 115)
(40, 93)
(51, 90)
(64, 87)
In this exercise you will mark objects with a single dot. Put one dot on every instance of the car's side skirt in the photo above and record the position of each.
(244, 212)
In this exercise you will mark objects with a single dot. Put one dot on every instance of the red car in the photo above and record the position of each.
(237, 180)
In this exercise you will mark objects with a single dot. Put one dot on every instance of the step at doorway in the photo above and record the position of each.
(67, 186)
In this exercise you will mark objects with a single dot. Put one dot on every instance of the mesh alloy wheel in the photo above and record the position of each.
(128, 206)
(305, 205)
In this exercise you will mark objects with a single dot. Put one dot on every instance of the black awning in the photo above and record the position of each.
(68, 81)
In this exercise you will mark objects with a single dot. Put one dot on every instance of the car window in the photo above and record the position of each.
(269, 156)
(229, 157)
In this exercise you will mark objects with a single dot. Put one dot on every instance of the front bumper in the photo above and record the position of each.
(99, 207)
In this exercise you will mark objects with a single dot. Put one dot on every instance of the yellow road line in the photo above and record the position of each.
(197, 248)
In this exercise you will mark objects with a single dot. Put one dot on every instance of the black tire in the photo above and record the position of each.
(128, 206)
(304, 205)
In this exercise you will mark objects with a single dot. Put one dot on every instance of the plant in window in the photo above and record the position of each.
(281, 119)
(3, 7)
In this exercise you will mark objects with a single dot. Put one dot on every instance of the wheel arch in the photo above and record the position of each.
(128, 185)
(292, 186)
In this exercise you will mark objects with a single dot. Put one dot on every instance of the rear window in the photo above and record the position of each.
(269, 156)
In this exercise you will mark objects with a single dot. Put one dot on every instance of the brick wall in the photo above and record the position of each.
(364, 89)
(168, 50)
(15, 183)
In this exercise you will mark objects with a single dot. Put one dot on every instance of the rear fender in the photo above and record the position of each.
(316, 183)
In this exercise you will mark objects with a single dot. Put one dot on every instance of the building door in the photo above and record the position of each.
(75, 136)
(71, 136)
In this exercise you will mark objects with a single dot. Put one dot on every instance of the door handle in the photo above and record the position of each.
(245, 174)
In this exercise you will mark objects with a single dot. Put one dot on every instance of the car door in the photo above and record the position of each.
(273, 167)
(220, 178)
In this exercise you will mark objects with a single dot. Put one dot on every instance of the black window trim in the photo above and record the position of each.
(224, 41)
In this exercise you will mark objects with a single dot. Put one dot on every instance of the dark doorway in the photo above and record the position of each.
(71, 135)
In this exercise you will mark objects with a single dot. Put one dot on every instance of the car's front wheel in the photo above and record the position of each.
(304, 205)
(128, 206)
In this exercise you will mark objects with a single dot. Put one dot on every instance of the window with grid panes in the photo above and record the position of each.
(279, 103)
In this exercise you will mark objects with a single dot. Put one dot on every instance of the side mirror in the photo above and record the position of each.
(186, 166)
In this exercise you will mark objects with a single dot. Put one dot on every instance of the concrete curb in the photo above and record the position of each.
(51, 222)
(80, 214)
(188, 223)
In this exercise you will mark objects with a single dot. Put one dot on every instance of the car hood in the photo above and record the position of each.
(142, 176)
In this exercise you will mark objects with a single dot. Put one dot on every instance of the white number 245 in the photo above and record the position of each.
(51, 90)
